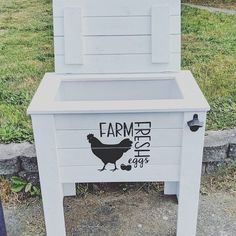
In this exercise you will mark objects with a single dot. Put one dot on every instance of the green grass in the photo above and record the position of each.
(26, 53)
(230, 4)
(209, 51)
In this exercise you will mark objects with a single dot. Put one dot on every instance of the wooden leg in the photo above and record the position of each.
(69, 190)
(190, 175)
(52, 189)
(171, 188)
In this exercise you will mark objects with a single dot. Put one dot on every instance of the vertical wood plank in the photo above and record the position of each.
(52, 192)
(160, 34)
(190, 176)
(73, 36)
(171, 188)
(69, 190)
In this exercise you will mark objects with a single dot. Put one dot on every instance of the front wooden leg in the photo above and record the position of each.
(52, 189)
(190, 176)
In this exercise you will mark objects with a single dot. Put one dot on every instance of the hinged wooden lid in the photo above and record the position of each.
(117, 36)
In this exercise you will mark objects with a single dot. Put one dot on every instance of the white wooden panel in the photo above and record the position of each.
(78, 138)
(138, 25)
(140, 63)
(160, 34)
(112, 91)
(190, 178)
(117, 44)
(69, 190)
(91, 174)
(51, 187)
(87, 122)
(85, 157)
(171, 188)
(73, 36)
(114, 7)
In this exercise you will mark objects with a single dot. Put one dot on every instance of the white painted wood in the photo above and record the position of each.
(88, 122)
(85, 157)
(118, 36)
(171, 188)
(114, 7)
(90, 174)
(51, 187)
(117, 26)
(107, 90)
(190, 175)
(73, 36)
(130, 63)
(46, 99)
(69, 190)
(160, 34)
(78, 138)
(103, 45)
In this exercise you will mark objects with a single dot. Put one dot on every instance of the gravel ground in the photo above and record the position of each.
(134, 213)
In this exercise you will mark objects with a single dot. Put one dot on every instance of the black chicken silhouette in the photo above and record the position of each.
(109, 153)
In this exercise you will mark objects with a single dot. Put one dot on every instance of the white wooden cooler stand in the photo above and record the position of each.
(118, 102)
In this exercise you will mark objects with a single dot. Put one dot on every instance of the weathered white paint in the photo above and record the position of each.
(160, 34)
(73, 36)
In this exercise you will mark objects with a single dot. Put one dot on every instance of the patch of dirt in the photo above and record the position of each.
(117, 214)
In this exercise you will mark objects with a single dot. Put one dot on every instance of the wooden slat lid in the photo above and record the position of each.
(117, 36)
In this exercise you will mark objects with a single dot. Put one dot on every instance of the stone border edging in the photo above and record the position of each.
(20, 158)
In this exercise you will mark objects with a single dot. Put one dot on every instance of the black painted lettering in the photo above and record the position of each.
(128, 131)
(138, 145)
(138, 138)
(110, 131)
(101, 129)
(143, 131)
(142, 153)
(144, 123)
(119, 127)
